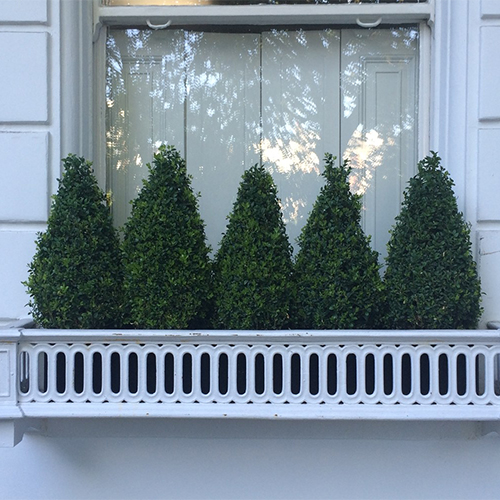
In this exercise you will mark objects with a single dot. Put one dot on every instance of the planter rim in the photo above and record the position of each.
(252, 336)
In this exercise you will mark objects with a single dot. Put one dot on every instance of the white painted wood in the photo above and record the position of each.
(489, 74)
(10, 429)
(77, 84)
(424, 89)
(488, 243)
(490, 9)
(16, 248)
(22, 156)
(263, 411)
(9, 377)
(214, 110)
(220, 97)
(264, 14)
(379, 121)
(345, 379)
(23, 11)
(145, 107)
(300, 115)
(222, 120)
(24, 96)
(263, 337)
(194, 90)
(488, 175)
(5, 374)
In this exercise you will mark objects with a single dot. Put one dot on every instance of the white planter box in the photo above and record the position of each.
(336, 375)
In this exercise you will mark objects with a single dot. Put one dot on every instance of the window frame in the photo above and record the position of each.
(332, 15)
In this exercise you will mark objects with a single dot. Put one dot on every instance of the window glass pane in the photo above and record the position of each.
(283, 97)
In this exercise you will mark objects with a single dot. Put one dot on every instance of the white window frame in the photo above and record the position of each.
(103, 17)
(297, 14)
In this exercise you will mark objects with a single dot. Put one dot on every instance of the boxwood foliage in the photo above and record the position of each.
(431, 277)
(167, 268)
(253, 266)
(337, 273)
(76, 276)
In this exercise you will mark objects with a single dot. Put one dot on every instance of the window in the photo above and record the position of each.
(229, 97)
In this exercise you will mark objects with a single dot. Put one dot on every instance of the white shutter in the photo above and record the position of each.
(222, 120)
(300, 115)
(146, 94)
(227, 101)
(379, 121)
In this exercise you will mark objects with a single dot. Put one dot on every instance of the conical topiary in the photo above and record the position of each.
(431, 279)
(253, 267)
(337, 273)
(167, 269)
(75, 278)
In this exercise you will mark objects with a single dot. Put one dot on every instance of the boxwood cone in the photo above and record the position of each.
(253, 267)
(167, 268)
(337, 273)
(431, 277)
(76, 276)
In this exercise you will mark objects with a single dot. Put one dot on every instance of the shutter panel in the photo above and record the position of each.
(379, 121)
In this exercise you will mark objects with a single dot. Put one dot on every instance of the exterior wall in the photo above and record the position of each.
(29, 137)
(484, 137)
(238, 459)
(244, 459)
(465, 125)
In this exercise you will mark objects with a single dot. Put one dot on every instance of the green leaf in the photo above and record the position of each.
(253, 268)
(431, 277)
(168, 278)
(75, 279)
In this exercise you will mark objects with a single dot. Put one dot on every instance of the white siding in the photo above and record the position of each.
(23, 11)
(482, 179)
(29, 137)
(23, 169)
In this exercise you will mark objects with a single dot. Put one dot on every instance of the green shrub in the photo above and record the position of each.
(167, 269)
(75, 278)
(253, 266)
(337, 273)
(431, 278)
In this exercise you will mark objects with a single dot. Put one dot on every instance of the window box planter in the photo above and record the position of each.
(334, 375)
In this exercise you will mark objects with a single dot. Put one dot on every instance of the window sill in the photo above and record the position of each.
(290, 375)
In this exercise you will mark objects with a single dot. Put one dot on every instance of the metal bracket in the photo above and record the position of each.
(158, 26)
(373, 24)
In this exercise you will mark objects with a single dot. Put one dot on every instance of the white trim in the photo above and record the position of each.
(337, 14)
(99, 122)
(76, 78)
(424, 90)
(303, 337)
(262, 411)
